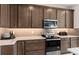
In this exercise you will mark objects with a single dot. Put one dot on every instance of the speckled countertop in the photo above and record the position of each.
(13, 41)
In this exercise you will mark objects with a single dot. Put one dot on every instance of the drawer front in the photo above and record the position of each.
(34, 45)
(35, 41)
(38, 52)
(7, 50)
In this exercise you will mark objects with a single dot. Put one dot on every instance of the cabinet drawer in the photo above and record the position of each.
(38, 52)
(35, 41)
(34, 45)
(7, 50)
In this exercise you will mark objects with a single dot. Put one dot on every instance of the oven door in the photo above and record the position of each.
(52, 47)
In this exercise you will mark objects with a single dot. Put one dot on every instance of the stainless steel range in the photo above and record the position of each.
(52, 44)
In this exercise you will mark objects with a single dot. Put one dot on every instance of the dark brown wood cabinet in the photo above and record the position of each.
(65, 44)
(61, 18)
(37, 16)
(69, 18)
(20, 47)
(24, 16)
(13, 16)
(49, 13)
(5, 15)
(7, 50)
(65, 18)
(31, 47)
(77, 42)
(0, 15)
(74, 42)
(30, 16)
(35, 47)
(35, 52)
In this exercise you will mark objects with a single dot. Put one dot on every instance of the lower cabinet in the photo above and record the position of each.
(31, 47)
(20, 47)
(36, 52)
(73, 42)
(7, 50)
(77, 42)
(68, 43)
(65, 44)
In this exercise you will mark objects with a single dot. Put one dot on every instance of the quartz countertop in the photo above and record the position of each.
(13, 41)
(68, 36)
(74, 50)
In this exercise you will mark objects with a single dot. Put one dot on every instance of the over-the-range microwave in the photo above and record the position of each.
(50, 23)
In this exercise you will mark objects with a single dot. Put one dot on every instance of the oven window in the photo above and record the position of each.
(52, 45)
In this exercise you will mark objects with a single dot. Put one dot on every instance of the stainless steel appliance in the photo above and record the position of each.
(52, 43)
(53, 46)
(50, 23)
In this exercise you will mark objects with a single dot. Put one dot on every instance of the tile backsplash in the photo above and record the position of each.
(27, 32)
(39, 31)
(19, 32)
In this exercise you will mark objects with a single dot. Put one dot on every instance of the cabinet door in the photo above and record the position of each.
(69, 19)
(20, 47)
(7, 50)
(37, 52)
(73, 42)
(24, 16)
(49, 13)
(64, 45)
(5, 15)
(0, 15)
(78, 42)
(37, 16)
(35, 47)
(31, 45)
(61, 18)
(13, 16)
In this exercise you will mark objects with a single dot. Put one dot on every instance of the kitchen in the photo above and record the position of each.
(30, 29)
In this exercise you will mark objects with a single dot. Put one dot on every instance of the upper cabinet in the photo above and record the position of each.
(0, 15)
(69, 19)
(13, 16)
(49, 13)
(24, 16)
(32, 16)
(65, 18)
(5, 15)
(61, 18)
(37, 16)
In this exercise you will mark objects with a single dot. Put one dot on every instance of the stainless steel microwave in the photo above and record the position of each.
(50, 23)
